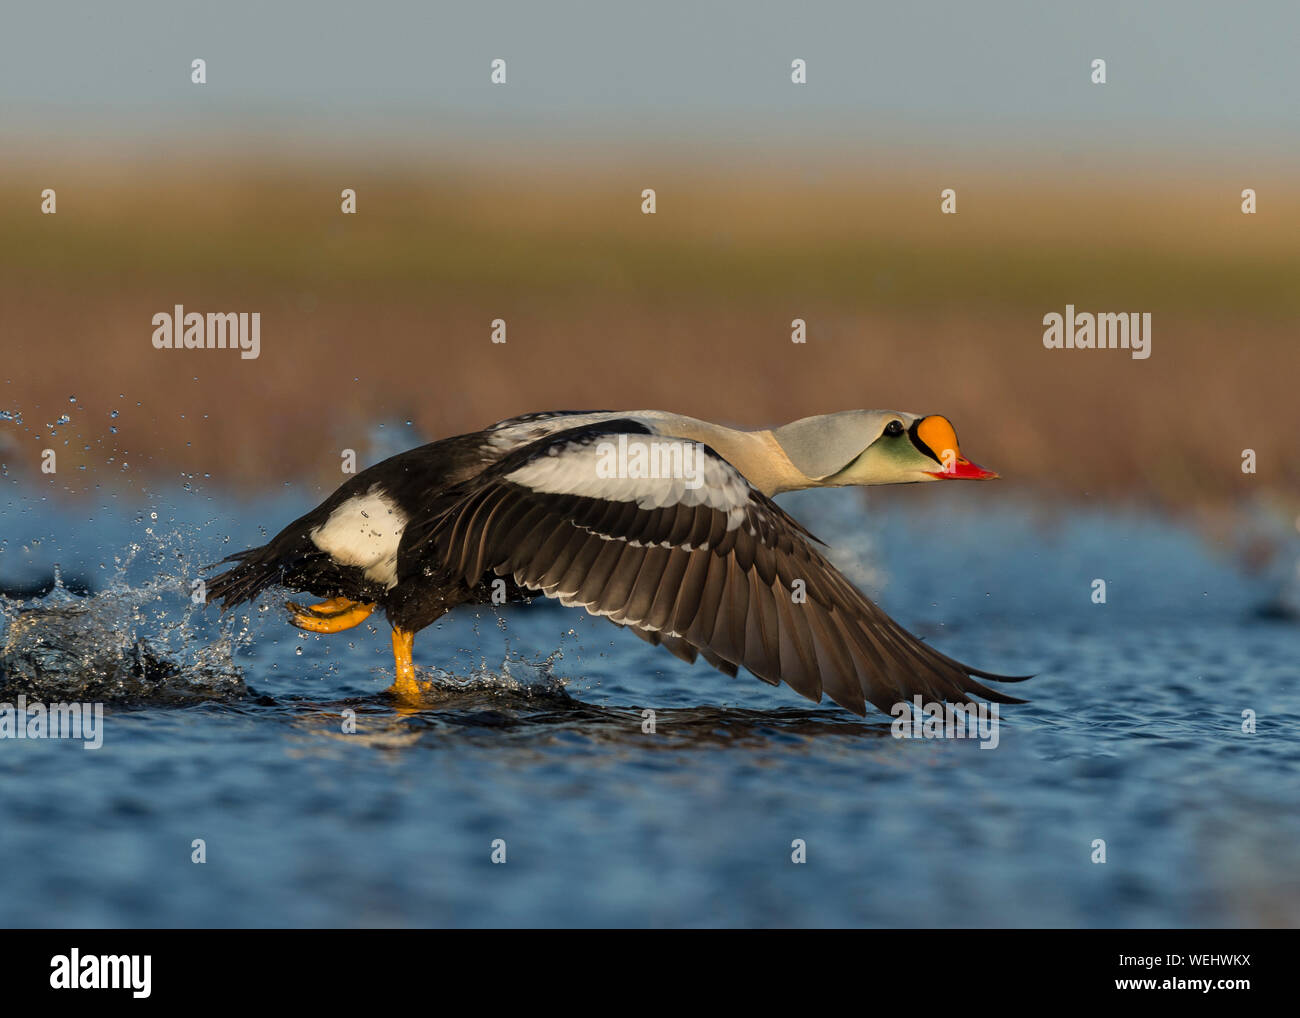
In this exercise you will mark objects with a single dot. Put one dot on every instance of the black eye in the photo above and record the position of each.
(894, 428)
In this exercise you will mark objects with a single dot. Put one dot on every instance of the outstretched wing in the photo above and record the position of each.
(701, 563)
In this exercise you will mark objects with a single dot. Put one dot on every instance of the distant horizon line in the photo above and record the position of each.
(586, 139)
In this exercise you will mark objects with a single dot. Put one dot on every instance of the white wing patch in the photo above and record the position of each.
(364, 532)
(507, 436)
(515, 433)
(585, 469)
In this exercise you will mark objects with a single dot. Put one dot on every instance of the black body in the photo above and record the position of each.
(421, 481)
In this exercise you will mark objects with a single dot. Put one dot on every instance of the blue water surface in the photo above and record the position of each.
(1134, 737)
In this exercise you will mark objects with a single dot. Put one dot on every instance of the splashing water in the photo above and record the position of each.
(126, 644)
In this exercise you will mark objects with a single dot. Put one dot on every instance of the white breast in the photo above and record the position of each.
(364, 532)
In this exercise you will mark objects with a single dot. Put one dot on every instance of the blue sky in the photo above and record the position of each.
(1186, 74)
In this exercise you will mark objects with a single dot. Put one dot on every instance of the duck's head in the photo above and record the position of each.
(876, 447)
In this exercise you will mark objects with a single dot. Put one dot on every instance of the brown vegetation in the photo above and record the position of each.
(384, 316)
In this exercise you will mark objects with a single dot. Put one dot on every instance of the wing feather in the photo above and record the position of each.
(709, 573)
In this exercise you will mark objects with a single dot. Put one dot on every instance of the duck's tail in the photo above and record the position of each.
(257, 569)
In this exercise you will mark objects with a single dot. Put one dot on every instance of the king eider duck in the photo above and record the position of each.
(661, 523)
